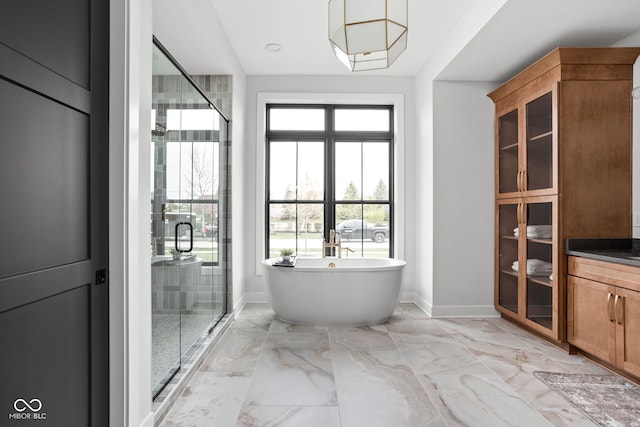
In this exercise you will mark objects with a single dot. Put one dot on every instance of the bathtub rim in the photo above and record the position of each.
(395, 264)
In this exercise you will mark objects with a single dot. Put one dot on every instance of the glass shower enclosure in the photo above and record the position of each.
(188, 221)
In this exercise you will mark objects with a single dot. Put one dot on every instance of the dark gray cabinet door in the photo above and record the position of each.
(54, 213)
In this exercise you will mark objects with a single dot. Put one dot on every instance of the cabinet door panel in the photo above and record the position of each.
(589, 325)
(540, 143)
(508, 170)
(507, 292)
(540, 257)
(627, 314)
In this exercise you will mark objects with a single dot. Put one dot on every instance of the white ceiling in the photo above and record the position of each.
(301, 27)
(520, 32)
(525, 30)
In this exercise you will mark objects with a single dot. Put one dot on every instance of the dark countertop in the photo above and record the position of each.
(619, 251)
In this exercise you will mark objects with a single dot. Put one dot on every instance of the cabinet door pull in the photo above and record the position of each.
(520, 213)
(610, 309)
(619, 309)
(521, 181)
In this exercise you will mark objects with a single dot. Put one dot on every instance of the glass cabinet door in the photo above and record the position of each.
(539, 130)
(541, 261)
(508, 249)
(508, 166)
(525, 163)
(527, 258)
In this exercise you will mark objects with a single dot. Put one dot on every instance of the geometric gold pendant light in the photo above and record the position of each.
(368, 34)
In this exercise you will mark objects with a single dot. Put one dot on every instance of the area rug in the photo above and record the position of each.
(607, 399)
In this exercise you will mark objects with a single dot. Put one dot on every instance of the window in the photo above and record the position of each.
(329, 167)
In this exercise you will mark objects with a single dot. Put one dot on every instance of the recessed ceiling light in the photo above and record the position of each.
(273, 47)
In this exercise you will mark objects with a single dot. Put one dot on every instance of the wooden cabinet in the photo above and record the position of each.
(603, 317)
(562, 169)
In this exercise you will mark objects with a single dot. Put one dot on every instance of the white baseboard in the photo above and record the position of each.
(255, 297)
(260, 297)
(148, 421)
(423, 304)
(239, 305)
(444, 311)
(408, 297)
(405, 297)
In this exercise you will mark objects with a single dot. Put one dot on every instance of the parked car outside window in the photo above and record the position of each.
(210, 230)
(356, 229)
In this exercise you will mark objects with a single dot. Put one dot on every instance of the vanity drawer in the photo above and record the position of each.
(605, 272)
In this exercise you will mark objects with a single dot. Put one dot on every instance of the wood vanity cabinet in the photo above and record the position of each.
(562, 169)
(603, 317)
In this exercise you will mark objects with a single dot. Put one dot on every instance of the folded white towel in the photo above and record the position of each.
(535, 267)
(539, 232)
(538, 227)
(536, 232)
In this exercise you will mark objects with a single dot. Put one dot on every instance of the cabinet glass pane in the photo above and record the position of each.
(508, 152)
(540, 263)
(539, 143)
(508, 254)
(539, 307)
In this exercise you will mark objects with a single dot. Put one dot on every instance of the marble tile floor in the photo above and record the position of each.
(411, 371)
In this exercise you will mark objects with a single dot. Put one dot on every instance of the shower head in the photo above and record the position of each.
(160, 130)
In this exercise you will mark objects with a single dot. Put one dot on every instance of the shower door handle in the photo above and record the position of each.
(190, 236)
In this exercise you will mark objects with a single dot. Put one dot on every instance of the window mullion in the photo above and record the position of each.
(295, 225)
(391, 187)
(329, 210)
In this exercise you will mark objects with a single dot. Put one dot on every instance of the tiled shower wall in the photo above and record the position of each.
(220, 90)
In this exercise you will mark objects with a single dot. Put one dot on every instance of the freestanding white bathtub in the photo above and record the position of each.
(334, 291)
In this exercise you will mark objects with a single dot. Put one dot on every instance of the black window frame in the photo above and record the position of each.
(330, 137)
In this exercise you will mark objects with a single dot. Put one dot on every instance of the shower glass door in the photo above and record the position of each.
(187, 220)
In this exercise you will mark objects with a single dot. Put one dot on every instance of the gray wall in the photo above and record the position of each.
(463, 209)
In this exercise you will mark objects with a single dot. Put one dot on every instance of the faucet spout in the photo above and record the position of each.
(331, 245)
